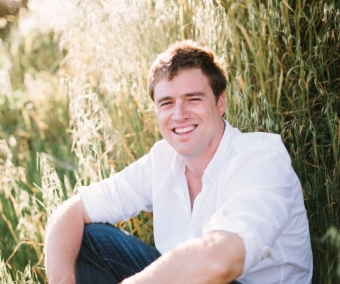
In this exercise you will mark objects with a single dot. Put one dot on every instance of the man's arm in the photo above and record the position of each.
(215, 258)
(63, 239)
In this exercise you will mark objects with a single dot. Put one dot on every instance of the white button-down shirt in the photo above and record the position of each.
(249, 188)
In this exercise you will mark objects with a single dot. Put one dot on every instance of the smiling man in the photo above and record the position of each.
(227, 206)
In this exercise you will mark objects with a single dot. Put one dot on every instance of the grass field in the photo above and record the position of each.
(74, 106)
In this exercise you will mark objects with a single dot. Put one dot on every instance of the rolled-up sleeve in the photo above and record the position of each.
(121, 196)
(256, 198)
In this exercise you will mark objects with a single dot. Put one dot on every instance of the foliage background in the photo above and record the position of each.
(74, 106)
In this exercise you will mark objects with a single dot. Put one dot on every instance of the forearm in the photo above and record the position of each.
(216, 258)
(63, 239)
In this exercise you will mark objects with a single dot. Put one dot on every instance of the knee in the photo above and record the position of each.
(100, 232)
(98, 228)
(97, 238)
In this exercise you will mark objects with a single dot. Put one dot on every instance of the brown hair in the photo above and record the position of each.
(188, 54)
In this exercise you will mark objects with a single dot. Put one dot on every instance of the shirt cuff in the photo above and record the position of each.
(254, 251)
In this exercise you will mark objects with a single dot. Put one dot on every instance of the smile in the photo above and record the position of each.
(185, 129)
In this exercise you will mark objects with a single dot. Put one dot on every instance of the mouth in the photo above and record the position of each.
(184, 130)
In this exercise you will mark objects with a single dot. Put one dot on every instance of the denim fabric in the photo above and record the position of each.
(109, 255)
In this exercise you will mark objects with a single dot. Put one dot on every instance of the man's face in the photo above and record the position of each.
(188, 115)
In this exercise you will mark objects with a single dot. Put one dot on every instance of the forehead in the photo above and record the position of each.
(186, 81)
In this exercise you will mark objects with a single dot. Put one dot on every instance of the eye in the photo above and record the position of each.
(165, 104)
(195, 99)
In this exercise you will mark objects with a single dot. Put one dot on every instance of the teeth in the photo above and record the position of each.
(186, 129)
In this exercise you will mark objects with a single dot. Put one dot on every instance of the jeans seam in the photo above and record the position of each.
(106, 259)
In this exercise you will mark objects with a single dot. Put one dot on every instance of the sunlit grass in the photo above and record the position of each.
(74, 106)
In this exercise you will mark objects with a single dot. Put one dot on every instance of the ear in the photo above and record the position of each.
(221, 103)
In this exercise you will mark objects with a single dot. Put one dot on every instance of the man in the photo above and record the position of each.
(226, 205)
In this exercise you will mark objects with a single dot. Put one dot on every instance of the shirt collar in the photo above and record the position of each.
(215, 165)
(177, 166)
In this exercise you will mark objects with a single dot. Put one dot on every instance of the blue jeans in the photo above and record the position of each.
(109, 255)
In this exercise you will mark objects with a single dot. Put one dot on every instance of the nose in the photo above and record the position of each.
(180, 112)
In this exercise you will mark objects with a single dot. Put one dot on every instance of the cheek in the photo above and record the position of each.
(161, 118)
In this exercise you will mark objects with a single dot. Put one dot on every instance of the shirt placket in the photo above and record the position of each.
(180, 190)
(198, 205)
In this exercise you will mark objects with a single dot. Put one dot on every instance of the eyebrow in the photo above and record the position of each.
(167, 98)
(188, 95)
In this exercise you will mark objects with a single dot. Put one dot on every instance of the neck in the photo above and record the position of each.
(194, 170)
(196, 166)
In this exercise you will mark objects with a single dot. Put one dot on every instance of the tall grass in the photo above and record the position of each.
(74, 106)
